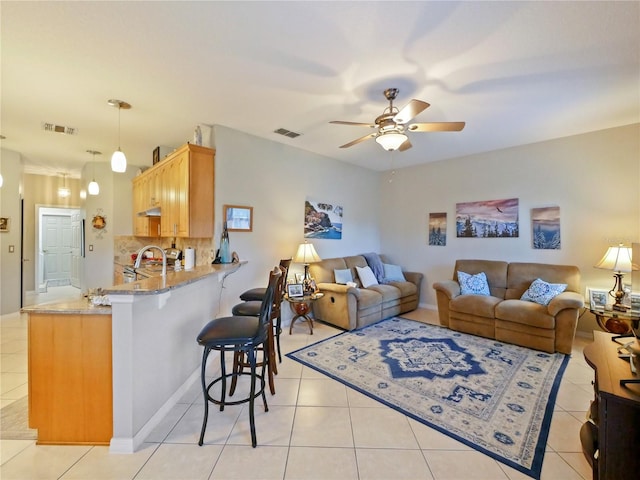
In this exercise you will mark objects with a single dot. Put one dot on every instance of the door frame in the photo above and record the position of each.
(42, 210)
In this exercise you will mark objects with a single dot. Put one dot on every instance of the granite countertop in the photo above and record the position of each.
(79, 306)
(173, 280)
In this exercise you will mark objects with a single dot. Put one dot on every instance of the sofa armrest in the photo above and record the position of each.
(338, 288)
(448, 287)
(565, 300)
(414, 277)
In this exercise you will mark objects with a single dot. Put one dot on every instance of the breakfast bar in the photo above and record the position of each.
(143, 347)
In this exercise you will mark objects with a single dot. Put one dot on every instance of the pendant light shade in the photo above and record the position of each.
(1, 180)
(118, 159)
(64, 191)
(94, 188)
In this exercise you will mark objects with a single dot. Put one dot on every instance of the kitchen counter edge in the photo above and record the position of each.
(173, 280)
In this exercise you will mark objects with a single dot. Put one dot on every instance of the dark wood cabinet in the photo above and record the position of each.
(611, 437)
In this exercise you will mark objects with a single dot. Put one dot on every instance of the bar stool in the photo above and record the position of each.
(256, 294)
(252, 309)
(238, 334)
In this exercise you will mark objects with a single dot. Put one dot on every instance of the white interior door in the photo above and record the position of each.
(57, 249)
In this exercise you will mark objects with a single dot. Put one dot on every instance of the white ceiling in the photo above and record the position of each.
(516, 72)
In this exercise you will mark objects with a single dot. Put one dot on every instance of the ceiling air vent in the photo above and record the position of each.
(52, 127)
(286, 133)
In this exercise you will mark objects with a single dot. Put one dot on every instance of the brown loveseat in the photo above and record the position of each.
(502, 315)
(351, 307)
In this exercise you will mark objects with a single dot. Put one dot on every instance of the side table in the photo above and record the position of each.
(614, 321)
(301, 306)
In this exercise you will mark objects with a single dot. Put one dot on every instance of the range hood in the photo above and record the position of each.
(152, 212)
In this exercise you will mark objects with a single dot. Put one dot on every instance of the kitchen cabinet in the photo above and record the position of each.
(70, 376)
(182, 187)
(142, 200)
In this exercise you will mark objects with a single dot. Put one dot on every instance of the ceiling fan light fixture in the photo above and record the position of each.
(391, 141)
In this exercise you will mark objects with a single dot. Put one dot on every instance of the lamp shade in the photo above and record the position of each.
(617, 259)
(118, 162)
(306, 254)
(391, 140)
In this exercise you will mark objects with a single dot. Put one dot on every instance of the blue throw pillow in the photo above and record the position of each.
(343, 276)
(393, 273)
(473, 284)
(542, 292)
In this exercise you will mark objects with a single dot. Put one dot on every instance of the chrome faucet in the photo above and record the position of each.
(149, 247)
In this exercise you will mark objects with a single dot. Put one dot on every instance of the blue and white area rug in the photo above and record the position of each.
(495, 397)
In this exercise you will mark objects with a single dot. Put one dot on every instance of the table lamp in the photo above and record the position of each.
(617, 259)
(306, 254)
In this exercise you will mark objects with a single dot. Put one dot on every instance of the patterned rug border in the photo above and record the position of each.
(540, 448)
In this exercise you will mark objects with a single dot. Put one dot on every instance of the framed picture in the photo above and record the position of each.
(635, 302)
(598, 298)
(299, 277)
(5, 223)
(295, 290)
(238, 218)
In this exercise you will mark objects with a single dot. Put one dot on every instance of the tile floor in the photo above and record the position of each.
(316, 428)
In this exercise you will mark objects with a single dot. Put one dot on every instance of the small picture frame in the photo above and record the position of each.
(5, 224)
(299, 277)
(635, 302)
(239, 218)
(295, 290)
(598, 298)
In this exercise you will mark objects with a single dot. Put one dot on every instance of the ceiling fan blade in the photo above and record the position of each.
(405, 146)
(410, 110)
(357, 124)
(358, 140)
(436, 127)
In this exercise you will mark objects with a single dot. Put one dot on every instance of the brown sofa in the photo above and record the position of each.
(505, 317)
(355, 307)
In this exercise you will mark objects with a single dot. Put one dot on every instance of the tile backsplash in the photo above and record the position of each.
(124, 246)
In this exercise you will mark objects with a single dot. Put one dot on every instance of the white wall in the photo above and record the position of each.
(115, 202)
(275, 180)
(11, 170)
(593, 178)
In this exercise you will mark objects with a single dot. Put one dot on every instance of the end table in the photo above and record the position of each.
(615, 321)
(301, 306)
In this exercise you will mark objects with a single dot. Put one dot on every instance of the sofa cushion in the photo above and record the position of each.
(368, 298)
(322, 272)
(542, 292)
(388, 292)
(521, 275)
(473, 284)
(343, 275)
(352, 262)
(366, 276)
(374, 261)
(479, 305)
(495, 270)
(406, 288)
(393, 273)
(527, 313)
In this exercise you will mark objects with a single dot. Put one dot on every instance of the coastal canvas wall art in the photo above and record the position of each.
(322, 220)
(438, 229)
(545, 225)
(488, 219)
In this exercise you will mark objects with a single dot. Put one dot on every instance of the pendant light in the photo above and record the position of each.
(94, 188)
(64, 191)
(118, 159)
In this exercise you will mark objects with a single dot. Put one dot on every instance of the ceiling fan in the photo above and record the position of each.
(392, 124)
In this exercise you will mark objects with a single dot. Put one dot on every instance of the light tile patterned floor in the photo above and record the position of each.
(316, 428)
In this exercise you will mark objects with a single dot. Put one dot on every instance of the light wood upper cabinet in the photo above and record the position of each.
(182, 186)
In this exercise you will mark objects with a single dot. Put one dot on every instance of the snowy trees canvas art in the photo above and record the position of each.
(488, 219)
(438, 229)
(545, 228)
